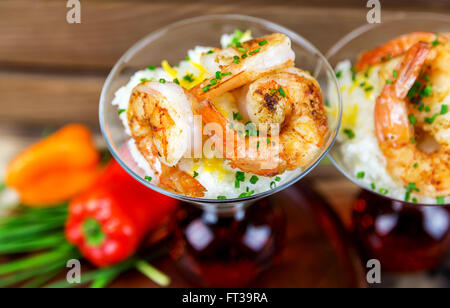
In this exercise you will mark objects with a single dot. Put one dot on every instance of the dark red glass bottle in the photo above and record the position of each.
(404, 237)
(227, 247)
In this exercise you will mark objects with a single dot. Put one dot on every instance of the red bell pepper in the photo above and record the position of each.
(109, 220)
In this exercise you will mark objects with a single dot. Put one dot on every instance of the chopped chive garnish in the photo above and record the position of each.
(427, 108)
(210, 52)
(262, 43)
(237, 116)
(144, 80)
(281, 91)
(436, 41)
(205, 89)
(395, 74)
(413, 141)
(373, 186)
(354, 71)
(389, 82)
(189, 78)
(278, 179)
(257, 145)
(414, 200)
(221, 198)
(151, 67)
(440, 200)
(383, 191)
(416, 165)
(218, 76)
(431, 120)
(226, 74)
(427, 77)
(148, 178)
(273, 185)
(414, 90)
(176, 81)
(162, 80)
(236, 60)
(187, 58)
(195, 174)
(361, 175)
(338, 74)
(121, 111)
(412, 119)
(237, 184)
(444, 109)
(240, 176)
(251, 53)
(243, 50)
(350, 133)
(369, 89)
(427, 91)
(254, 179)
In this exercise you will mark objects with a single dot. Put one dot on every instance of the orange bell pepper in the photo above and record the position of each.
(56, 168)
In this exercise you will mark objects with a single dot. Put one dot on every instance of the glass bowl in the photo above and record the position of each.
(371, 36)
(171, 43)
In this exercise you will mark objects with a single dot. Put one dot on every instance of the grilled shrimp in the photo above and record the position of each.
(407, 110)
(292, 100)
(234, 67)
(161, 120)
(397, 47)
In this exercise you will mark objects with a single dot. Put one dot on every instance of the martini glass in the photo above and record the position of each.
(218, 242)
(404, 236)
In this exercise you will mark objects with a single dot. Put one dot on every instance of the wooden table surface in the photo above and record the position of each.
(52, 72)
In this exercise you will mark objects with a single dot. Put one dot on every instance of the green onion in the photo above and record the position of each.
(187, 59)
(383, 191)
(361, 175)
(395, 74)
(153, 273)
(144, 80)
(162, 80)
(436, 41)
(412, 119)
(254, 179)
(427, 91)
(262, 43)
(221, 198)
(338, 74)
(277, 179)
(205, 89)
(350, 133)
(281, 91)
(444, 109)
(240, 176)
(251, 53)
(151, 68)
(373, 186)
(195, 174)
(176, 81)
(121, 111)
(210, 52)
(189, 77)
(236, 60)
(148, 178)
(440, 200)
(237, 116)
(389, 82)
(431, 120)
(416, 165)
(273, 185)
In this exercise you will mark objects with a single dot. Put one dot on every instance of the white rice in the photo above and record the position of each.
(362, 153)
(215, 175)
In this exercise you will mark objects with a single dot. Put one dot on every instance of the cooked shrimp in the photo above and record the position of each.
(428, 172)
(291, 98)
(160, 118)
(397, 47)
(235, 67)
